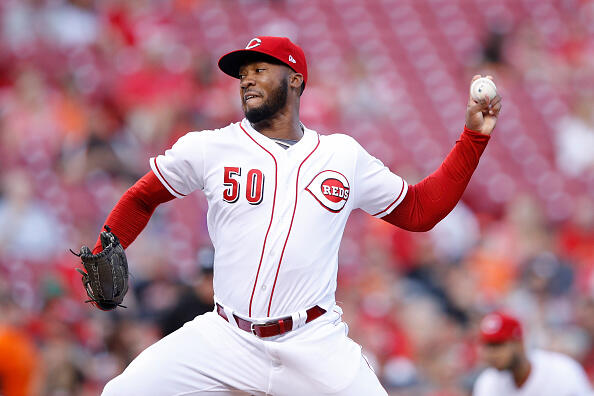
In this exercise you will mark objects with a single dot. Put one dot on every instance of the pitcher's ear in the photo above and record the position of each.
(296, 81)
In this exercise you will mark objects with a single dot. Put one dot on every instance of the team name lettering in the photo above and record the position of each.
(336, 191)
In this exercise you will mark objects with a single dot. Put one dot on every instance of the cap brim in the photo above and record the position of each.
(231, 62)
(494, 340)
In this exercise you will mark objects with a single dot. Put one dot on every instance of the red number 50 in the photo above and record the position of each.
(255, 185)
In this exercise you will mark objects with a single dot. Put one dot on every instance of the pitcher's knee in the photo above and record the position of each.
(132, 382)
(115, 387)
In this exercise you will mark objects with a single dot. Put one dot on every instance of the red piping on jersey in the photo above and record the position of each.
(271, 217)
(396, 200)
(290, 226)
(165, 180)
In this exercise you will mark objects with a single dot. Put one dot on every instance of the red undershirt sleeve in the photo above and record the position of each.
(429, 201)
(133, 211)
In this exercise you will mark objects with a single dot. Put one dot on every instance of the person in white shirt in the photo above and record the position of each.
(514, 371)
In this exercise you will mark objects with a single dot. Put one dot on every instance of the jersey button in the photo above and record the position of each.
(263, 287)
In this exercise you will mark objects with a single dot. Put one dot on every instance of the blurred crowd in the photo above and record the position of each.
(89, 90)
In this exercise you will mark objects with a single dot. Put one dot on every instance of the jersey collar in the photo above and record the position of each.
(303, 147)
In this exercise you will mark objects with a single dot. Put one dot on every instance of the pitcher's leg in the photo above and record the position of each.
(206, 355)
(320, 359)
(365, 383)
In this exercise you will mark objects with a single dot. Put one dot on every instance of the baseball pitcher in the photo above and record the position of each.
(279, 195)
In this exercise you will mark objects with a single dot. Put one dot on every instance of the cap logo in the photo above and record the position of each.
(330, 189)
(253, 43)
(491, 324)
(291, 59)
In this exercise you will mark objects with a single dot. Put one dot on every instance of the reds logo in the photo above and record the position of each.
(491, 324)
(253, 43)
(330, 189)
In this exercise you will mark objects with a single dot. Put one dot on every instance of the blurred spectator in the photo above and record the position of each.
(492, 51)
(195, 298)
(28, 230)
(71, 22)
(575, 137)
(457, 233)
(20, 361)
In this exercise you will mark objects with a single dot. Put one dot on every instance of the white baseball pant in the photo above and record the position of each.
(210, 356)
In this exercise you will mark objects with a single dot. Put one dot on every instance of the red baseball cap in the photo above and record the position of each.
(498, 327)
(279, 48)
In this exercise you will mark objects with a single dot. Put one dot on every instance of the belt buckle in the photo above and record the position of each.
(253, 327)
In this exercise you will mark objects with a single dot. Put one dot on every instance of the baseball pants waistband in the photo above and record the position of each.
(274, 327)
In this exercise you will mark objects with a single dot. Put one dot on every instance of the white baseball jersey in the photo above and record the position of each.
(276, 216)
(553, 374)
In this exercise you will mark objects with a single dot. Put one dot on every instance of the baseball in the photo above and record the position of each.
(481, 88)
